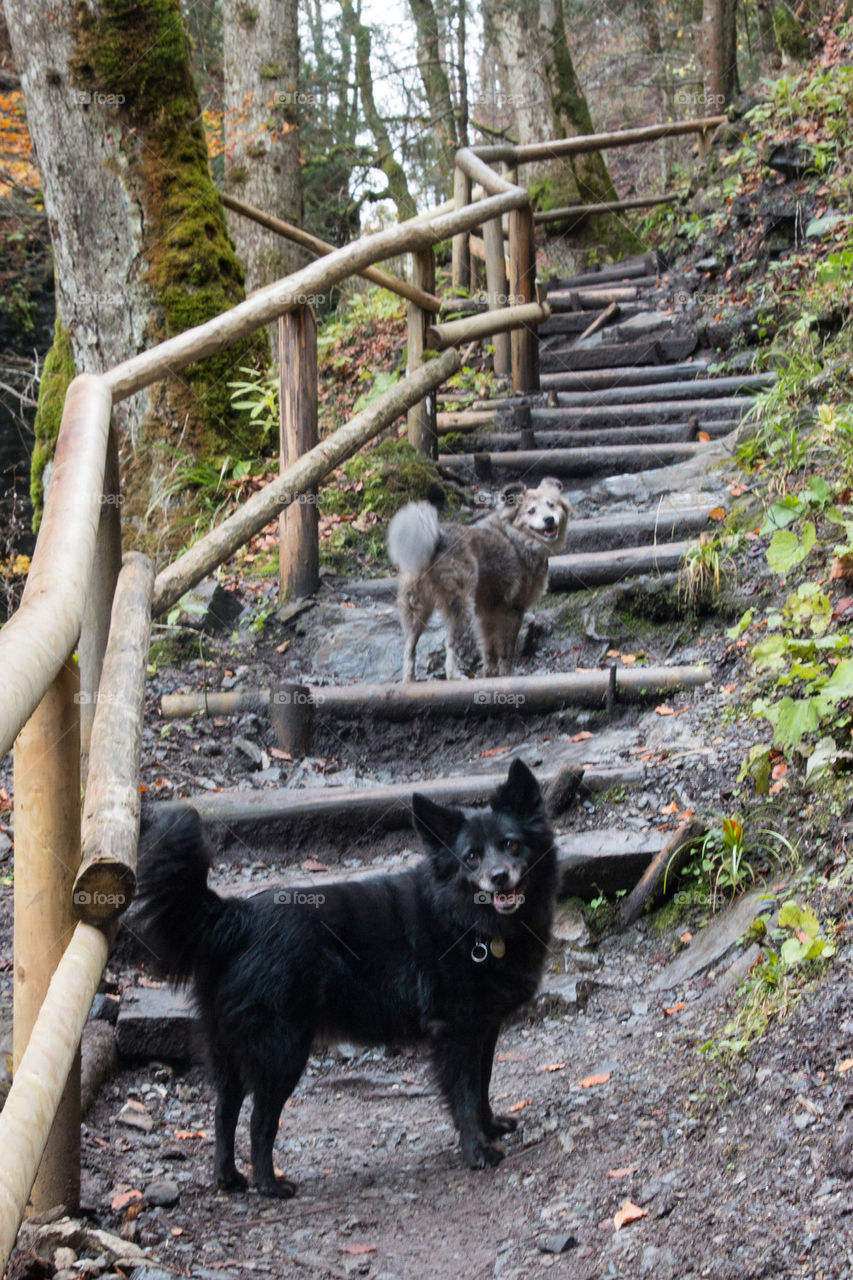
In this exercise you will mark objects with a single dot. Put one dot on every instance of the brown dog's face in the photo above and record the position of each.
(541, 514)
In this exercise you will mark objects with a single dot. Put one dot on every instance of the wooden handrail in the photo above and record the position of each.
(531, 151)
(321, 248)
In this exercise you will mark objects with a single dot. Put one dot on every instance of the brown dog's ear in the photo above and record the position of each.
(551, 482)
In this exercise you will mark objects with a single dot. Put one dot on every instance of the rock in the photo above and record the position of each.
(557, 1244)
(710, 264)
(714, 942)
(63, 1258)
(788, 158)
(207, 607)
(85, 1240)
(254, 753)
(657, 1260)
(155, 1022)
(5, 844)
(162, 1193)
(366, 644)
(135, 1116)
(564, 994)
(570, 926)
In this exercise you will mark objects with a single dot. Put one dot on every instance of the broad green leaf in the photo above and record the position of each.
(771, 653)
(820, 226)
(821, 759)
(787, 550)
(792, 719)
(793, 951)
(790, 915)
(781, 514)
(820, 489)
(738, 629)
(757, 766)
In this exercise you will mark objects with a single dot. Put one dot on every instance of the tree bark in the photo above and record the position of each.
(437, 88)
(140, 245)
(719, 52)
(262, 110)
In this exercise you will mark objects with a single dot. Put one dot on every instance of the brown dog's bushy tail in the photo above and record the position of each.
(413, 536)
(178, 914)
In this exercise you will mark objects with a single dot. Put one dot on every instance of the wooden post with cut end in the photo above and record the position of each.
(106, 881)
(496, 283)
(522, 285)
(47, 852)
(291, 708)
(461, 258)
(299, 540)
(102, 584)
(423, 434)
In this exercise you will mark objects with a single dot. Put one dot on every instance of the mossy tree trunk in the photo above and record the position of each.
(719, 52)
(532, 45)
(437, 88)
(141, 249)
(398, 186)
(262, 108)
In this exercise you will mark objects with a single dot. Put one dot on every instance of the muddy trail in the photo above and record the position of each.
(637, 1154)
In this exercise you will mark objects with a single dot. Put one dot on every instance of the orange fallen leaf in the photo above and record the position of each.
(703, 436)
(358, 1249)
(779, 770)
(177, 1231)
(841, 567)
(311, 864)
(519, 1106)
(583, 736)
(685, 814)
(125, 1198)
(672, 807)
(717, 513)
(628, 1213)
(284, 646)
(555, 1066)
(277, 754)
(843, 605)
(846, 1065)
(613, 653)
(493, 751)
(664, 710)
(182, 1134)
(589, 1082)
(623, 1173)
(686, 937)
(675, 1008)
(737, 490)
(512, 1056)
(777, 787)
(729, 688)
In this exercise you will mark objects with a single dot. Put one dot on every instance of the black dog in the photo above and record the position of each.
(441, 953)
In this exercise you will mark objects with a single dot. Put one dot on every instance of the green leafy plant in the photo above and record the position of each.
(732, 856)
(703, 570)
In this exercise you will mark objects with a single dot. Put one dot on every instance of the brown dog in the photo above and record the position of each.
(494, 569)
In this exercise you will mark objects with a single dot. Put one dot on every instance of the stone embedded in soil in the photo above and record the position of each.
(564, 994)
(155, 1022)
(135, 1116)
(557, 1244)
(714, 942)
(207, 607)
(163, 1193)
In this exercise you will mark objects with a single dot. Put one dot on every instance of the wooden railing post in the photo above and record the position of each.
(421, 418)
(461, 260)
(496, 283)
(522, 285)
(47, 854)
(102, 583)
(299, 547)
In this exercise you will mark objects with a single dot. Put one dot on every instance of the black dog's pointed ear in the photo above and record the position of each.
(437, 827)
(520, 794)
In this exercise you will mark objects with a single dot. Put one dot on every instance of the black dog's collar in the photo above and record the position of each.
(481, 948)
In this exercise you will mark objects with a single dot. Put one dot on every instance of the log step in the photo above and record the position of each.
(618, 356)
(675, 390)
(637, 265)
(612, 532)
(595, 461)
(601, 379)
(647, 433)
(576, 321)
(600, 568)
(612, 415)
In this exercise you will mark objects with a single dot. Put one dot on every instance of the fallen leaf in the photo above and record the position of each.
(686, 937)
(729, 688)
(777, 787)
(675, 1008)
(519, 1106)
(629, 659)
(664, 710)
(846, 1065)
(582, 736)
(359, 1248)
(177, 1231)
(843, 605)
(672, 807)
(311, 864)
(623, 1173)
(183, 1134)
(613, 653)
(512, 1056)
(126, 1197)
(284, 646)
(628, 1213)
(493, 751)
(841, 567)
(555, 1066)
(703, 436)
(589, 1082)
(685, 814)
(276, 753)
(737, 490)
(717, 513)
(779, 770)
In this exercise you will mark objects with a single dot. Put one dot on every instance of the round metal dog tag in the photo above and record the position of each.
(479, 952)
(498, 948)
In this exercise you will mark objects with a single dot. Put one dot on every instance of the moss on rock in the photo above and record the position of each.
(57, 373)
(790, 37)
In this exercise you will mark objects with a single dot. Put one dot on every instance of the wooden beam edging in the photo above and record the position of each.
(269, 303)
(33, 1099)
(524, 694)
(530, 151)
(484, 323)
(428, 301)
(106, 880)
(40, 635)
(604, 206)
(312, 467)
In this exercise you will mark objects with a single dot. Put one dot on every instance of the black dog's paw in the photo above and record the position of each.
(279, 1188)
(232, 1181)
(500, 1126)
(480, 1155)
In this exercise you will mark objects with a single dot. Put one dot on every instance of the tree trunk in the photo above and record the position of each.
(141, 248)
(768, 46)
(719, 52)
(549, 103)
(398, 186)
(261, 56)
(437, 88)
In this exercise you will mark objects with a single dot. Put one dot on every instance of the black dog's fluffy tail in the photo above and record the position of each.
(178, 914)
